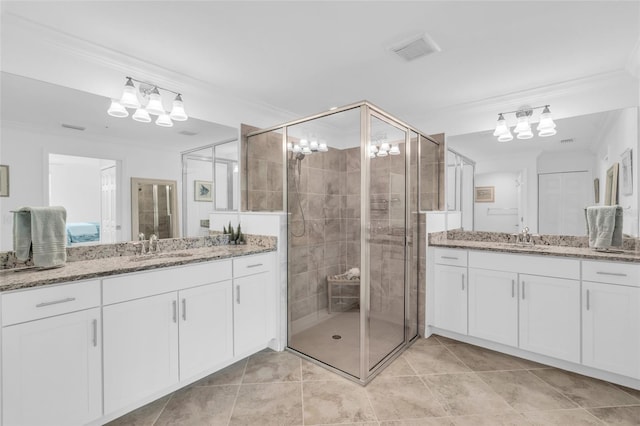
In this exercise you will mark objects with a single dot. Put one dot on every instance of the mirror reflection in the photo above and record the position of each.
(50, 133)
(545, 183)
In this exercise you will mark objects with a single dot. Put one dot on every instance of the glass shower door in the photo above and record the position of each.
(386, 238)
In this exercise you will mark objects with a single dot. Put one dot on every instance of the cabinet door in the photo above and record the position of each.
(250, 313)
(550, 316)
(206, 327)
(493, 306)
(450, 287)
(51, 370)
(140, 349)
(611, 328)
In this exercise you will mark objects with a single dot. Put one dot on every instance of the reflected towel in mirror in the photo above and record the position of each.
(604, 226)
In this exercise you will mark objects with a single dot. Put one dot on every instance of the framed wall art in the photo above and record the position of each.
(485, 194)
(4, 181)
(203, 190)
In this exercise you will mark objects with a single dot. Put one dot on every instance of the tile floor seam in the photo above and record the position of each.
(235, 400)
(594, 416)
(163, 408)
(556, 389)
(457, 357)
(493, 390)
(301, 390)
(366, 393)
(435, 397)
(623, 389)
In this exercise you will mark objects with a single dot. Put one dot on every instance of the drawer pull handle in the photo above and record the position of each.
(513, 288)
(184, 309)
(95, 332)
(522, 290)
(255, 265)
(175, 309)
(449, 257)
(615, 274)
(238, 294)
(588, 304)
(55, 302)
(462, 282)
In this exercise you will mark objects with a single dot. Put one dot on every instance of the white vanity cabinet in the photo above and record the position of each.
(252, 279)
(611, 317)
(163, 327)
(51, 355)
(450, 290)
(493, 305)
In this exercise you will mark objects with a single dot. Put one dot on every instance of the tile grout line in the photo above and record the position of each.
(233, 407)
(163, 408)
(301, 390)
(366, 394)
(558, 390)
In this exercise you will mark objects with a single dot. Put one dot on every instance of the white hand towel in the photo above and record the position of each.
(604, 226)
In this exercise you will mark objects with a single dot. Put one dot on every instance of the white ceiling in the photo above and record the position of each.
(304, 57)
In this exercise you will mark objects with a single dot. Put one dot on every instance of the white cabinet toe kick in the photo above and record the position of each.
(578, 315)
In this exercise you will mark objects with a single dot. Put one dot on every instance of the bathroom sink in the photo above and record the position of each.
(154, 256)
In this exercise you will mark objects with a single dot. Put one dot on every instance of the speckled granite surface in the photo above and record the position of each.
(96, 263)
(545, 245)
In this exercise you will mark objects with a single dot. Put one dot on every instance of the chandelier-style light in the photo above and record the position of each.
(151, 94)
(379, 147)
(307, 147)
(546, 126)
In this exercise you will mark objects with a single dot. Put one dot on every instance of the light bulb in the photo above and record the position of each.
(384, 146)
(395, 150)
(129, 97)
(523, 124)
(525, 134)
(117, 110)
(155, 103)
(177, 113)
(141, 115)
(164, 120)
(505, 137)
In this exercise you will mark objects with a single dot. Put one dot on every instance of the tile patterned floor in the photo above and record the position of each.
(438, 381)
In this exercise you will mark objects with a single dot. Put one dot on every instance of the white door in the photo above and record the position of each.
(562, 198)
(206, 327)
(611, 328)
(250, 312)
(51, 370)
(493, 306)
(108, 210)
(550, 316)
(140, 349)
(450, 288)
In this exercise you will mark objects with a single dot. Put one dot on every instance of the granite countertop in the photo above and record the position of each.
(543, 250)
(15, 279)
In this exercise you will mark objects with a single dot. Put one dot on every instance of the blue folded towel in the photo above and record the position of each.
(41, 231)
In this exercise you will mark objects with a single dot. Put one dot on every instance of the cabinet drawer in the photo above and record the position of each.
(453, 257)
(249, 265)
(547, 266)
(150, 283)
(611, 272)
(42, 302)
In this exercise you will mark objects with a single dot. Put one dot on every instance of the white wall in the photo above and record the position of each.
(493, 216)
(77, 187)
(27, 151)
(621, 133)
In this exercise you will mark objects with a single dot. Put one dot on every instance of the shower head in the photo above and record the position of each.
(299, 156)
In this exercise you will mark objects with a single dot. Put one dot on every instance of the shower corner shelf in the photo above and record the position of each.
(338, 280)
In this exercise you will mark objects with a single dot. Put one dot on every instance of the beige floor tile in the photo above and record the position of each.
(399, 367)
(626, 416)
(434, 360)
(465, 394)
(143, 416)
(199, 405)
(268, 404)
(335, 402)
(429, 421)
(445, 340)
(504, 419)
(525, 392)
(270, 367)
(574, 417)
(481, 359)
(314, 372)
(585, 391)
(398, 398)
(429, 341)
(231, 375)
(633, 392)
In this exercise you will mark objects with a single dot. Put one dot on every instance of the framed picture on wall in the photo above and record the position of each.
(203, 190)
(485, 194)
(611, 188)
(4, 181)
(626, 175)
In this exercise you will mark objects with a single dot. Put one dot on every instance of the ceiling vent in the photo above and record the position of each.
(187, 133)
(570, 140)
(416, 48)
(72, 127)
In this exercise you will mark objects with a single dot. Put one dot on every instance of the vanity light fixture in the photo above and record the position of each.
(151, 93)
(379, 147)
(546, 126)
(307, 147)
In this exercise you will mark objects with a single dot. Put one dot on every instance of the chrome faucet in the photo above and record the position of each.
(154, 239)
(524, 237)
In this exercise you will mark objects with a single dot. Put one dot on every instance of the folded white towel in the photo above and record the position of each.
(41, 230)
(604, 226)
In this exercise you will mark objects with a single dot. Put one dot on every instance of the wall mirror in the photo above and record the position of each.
(545, 183)
(40, 119)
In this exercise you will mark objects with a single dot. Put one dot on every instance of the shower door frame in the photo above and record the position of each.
(367, 110)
